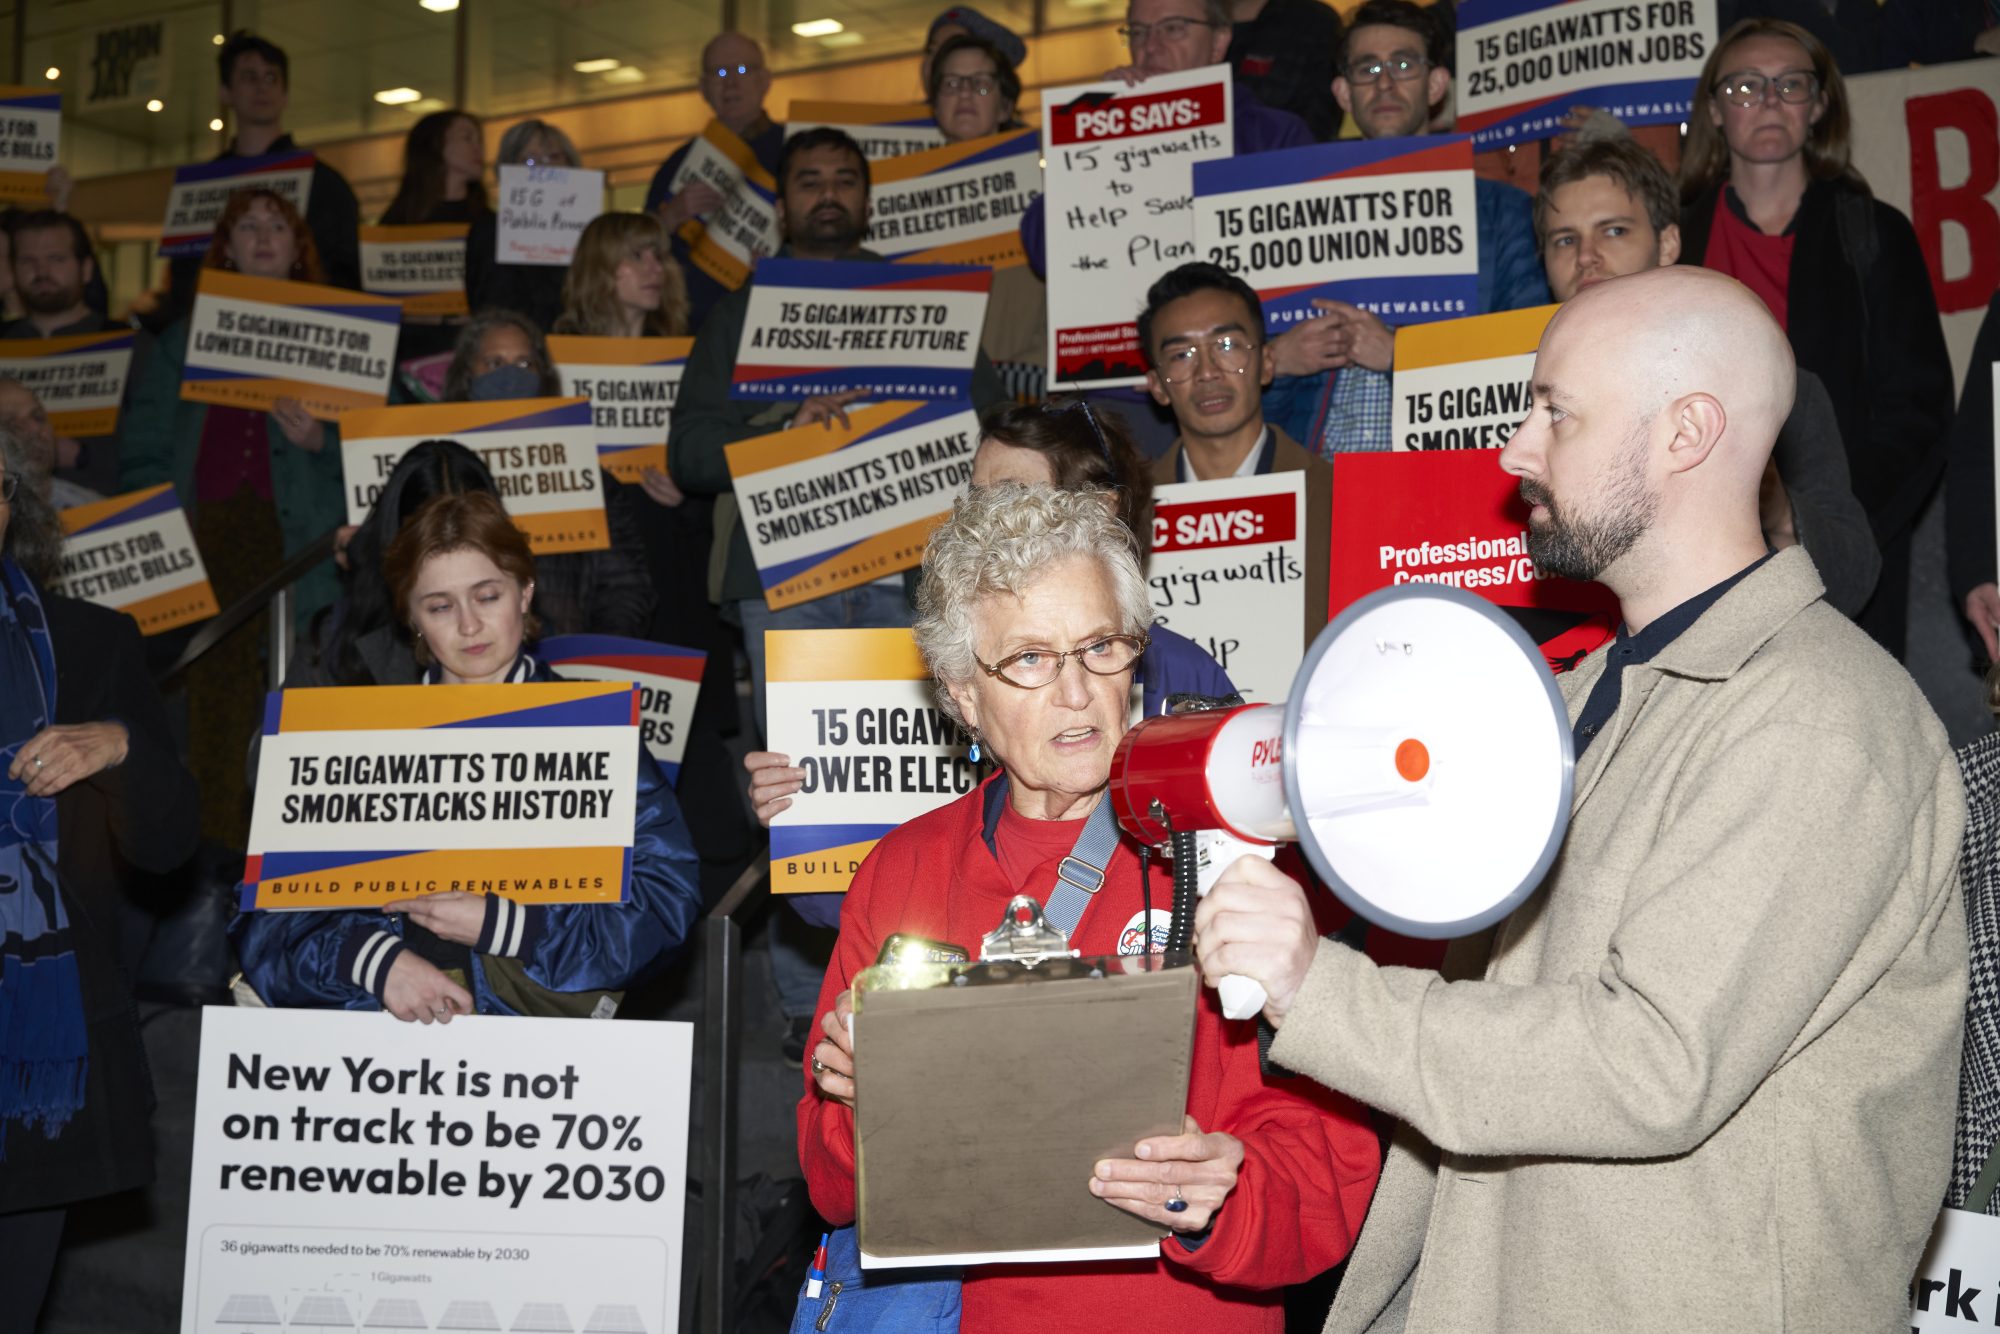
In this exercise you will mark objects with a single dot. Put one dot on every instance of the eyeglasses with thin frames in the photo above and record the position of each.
(1136, 35)
(979, 85)
(1230, 352)
(1749, 89)
(1402, 69)
(1033, 668)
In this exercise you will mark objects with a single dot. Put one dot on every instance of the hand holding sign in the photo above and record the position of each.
(453, 915)
(416, 992)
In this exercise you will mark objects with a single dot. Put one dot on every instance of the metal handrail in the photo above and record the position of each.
(275, 586)
(722, 1043)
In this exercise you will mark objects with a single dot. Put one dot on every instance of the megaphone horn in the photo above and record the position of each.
(1424, 763)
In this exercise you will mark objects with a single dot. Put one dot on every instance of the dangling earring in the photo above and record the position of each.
(974, 755)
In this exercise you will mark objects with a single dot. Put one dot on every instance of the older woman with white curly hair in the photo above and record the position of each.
(1032, 615)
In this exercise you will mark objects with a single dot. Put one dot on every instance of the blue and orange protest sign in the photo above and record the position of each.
(1463, 384)
(631, 384)
(202, 191)
(377, 793)
(828, 507)
(1385, 224)
(888, 330)
(668, 678)
(252, 341)
(420, 264)
(728, 242)
(135, 553)
(883, 129)
(30, 142)
(542, 453)
(80, 378)
(856, 710)
(1522, 64)
(958, 203)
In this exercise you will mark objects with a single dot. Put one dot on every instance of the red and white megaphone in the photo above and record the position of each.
(1423, 763)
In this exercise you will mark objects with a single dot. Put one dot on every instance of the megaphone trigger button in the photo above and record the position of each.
(1413, 760)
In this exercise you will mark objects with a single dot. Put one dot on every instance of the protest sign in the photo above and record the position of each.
(542, 453)
(543, 210)
(1441, 517)
(374, 793)
(350, 1170)
(828, 507)
(202, 191)
(252, 341)
(422, 265)
(727, 243)
(668, 678)
(1928, 142)
(30, 142)
(957, 204)
(631, 384)
(1961, 1262)
(1228, 570)
(890, 330)
(135, 553)
(884, 130)
(80, 378)
(1522, 64)
(1463, 384)
(1389, 225)
(856, 710)
(1120, 188)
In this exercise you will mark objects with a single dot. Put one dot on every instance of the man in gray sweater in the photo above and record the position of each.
(1704, 1078)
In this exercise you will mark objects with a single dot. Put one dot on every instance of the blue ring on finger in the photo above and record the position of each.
(1177, 1205)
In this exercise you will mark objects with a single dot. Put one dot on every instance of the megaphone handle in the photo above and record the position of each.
(1242, 997)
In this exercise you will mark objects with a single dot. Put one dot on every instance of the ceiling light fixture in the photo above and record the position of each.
(818, 27)
(626, 74)
(156, 105)
(52, 74)
(215, 124)
(395, 97)
(439, 6)
(218, 39)
(597, 65)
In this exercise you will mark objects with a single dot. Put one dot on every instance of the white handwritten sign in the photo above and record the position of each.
(1120, 195)
(543, 210)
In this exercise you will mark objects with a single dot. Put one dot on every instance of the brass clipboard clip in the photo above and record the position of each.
(1024, 936)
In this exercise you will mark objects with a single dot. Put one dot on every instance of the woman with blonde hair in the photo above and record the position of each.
(624, 282)
(1770, 196)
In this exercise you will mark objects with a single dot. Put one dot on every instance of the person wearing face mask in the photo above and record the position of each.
(54, 271)
(501, 356)
(258, 487)
(534, 290)
(463, 581)
(735, 79)
(1770, 197)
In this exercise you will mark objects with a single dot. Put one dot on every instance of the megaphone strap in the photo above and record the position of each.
(1081, 874)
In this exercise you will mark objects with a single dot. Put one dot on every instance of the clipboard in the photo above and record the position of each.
(987, 1092)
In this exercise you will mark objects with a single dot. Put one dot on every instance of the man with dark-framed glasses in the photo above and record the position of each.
(1332, 389)
(1203, 335)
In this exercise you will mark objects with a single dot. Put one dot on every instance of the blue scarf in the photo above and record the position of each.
(44, 1042)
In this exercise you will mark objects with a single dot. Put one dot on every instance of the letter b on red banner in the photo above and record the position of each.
(1933, 204)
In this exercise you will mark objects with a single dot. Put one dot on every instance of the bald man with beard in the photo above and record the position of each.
(1704, 1078)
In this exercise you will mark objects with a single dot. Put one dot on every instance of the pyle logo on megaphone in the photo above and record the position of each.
(1425, 757)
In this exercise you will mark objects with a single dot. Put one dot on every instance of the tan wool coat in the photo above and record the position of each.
(1705, 1078)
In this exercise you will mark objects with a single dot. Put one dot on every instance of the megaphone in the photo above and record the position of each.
(1423, 763)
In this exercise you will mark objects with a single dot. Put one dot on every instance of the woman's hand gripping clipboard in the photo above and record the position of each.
(986, 1092)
